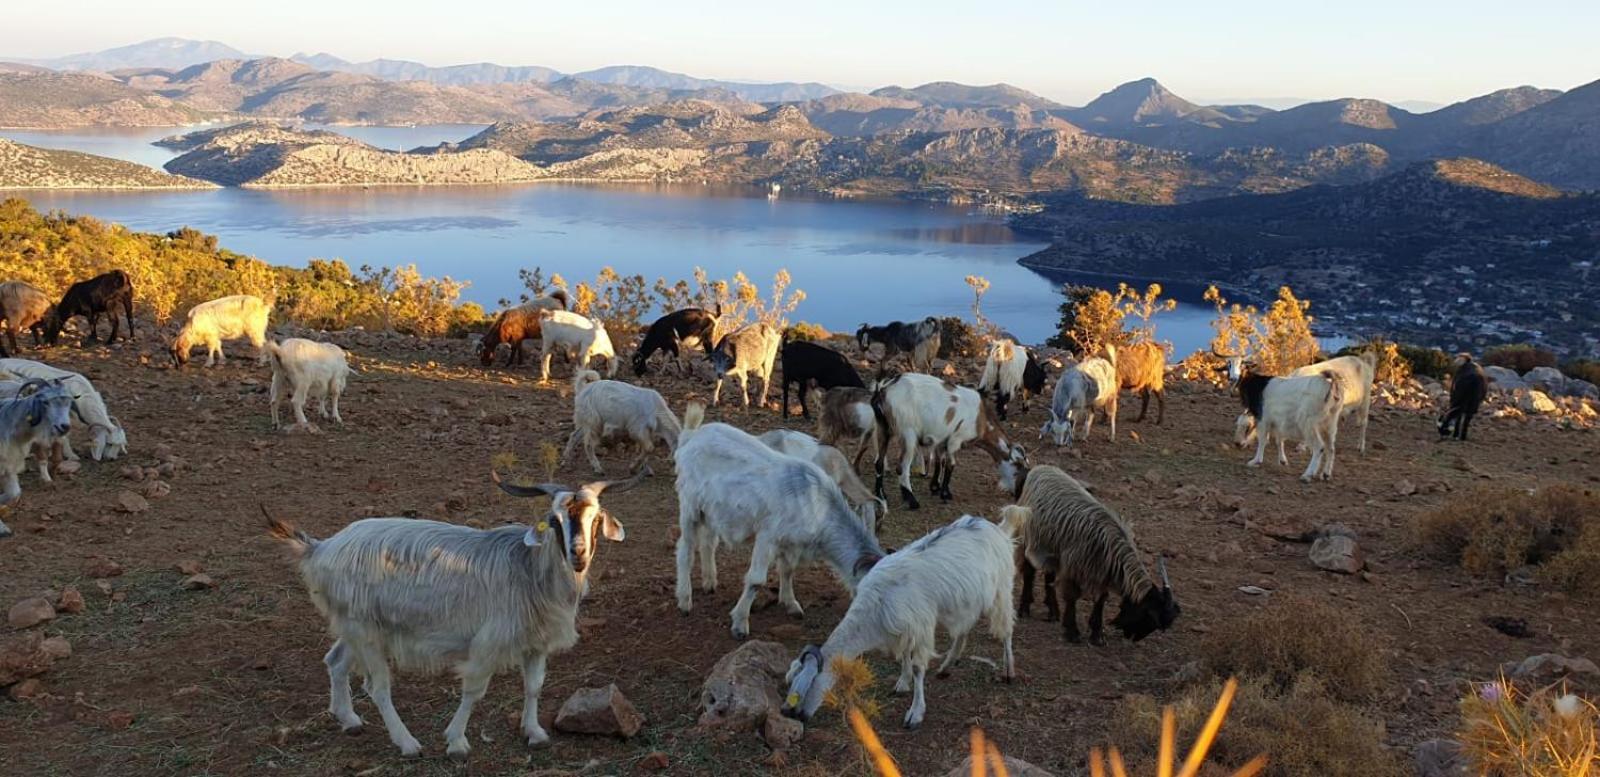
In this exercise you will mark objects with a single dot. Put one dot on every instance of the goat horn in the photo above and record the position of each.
(619, 486)
(1161, 565)
(32, 383)
(541, 489)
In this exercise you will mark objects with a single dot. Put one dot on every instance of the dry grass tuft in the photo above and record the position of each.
(1291, 637)
(1548, 733)
(1303, 729)
(1493, 531)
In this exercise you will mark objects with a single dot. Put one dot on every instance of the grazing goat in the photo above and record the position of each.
(514, 325)
(847, 416)
(733, 489)
(749, 351)
(676, 333)
(226, 318)
(23, 306)
(919, 341)
(1010, 370)
(1305, 408)
(1355, 374)
(1142, 368)
(1085, 549)
(101, 294)
(604, 409)
(832, 461)
(950, 577)
(1467, 390)
(568, 330)
(28, 420)
(307, 369)
(108, 439)
(925, 411)
(430, 595)
(1084, 388)
(809, 364)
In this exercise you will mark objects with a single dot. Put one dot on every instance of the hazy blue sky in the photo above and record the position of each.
(1067, 50)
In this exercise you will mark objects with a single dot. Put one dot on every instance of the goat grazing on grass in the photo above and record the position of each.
(808, 364)
(430, 595)
(677, 334)
(568, 330)
(38, 413)
(103, 293)
(733, 489)
(832, 461)
(1010, 370)
(1085, 549)
(1142, 368)
(515, 325)
(226, 318)
(108, 439)
(23, 306)
(1304, 408)
(1467, 391)
(918, 340)
(749, 351)
(605, 409)
(1084, 388)
(925, 411)
(951, 577)
(307, 370)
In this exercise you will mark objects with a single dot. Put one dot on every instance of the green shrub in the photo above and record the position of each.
(957, 338)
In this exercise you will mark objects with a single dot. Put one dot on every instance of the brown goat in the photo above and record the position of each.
(847, 416)
(1142, 367)
(514, 325)
(22, 306)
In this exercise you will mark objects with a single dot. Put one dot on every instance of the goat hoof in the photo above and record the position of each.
(410, 749)
(459, 754)
(352, 730)
(1097, 640)
(913, 723)
(741, 634)
(1008, 679)
(537, 737)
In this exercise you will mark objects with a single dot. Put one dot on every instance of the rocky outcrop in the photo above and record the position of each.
(27, 167)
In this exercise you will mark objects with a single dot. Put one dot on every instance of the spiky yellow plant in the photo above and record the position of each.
(1545, 733)
(549, 459)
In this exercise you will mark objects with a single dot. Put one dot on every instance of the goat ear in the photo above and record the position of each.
(611, 528)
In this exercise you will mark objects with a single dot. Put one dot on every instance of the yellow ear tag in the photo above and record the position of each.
(543, 526)
(793, 700)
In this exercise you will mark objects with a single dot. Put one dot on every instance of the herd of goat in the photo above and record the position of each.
(428, 595)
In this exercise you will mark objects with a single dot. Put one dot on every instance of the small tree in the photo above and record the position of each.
(980, 285)
(1091, 318)
(1237, 327)
(1142, 307)
(1288, 343)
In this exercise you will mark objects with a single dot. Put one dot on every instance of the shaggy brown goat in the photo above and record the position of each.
(1142, 367)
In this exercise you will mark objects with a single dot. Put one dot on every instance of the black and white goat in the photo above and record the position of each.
(1010, 370)
(918, 340)
(677, 334)
(733, 489)
(808, 365)
(1304, 408)
(921, 410)
(1468, 388)
(429, 596)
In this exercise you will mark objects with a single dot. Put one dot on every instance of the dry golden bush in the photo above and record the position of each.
(1278, 341)
(1547, 733)
(1292, 637)
(1492, 531)
(1303, 729)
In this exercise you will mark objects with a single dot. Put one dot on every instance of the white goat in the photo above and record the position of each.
(949, 578)
(605, 409)
(27, 420)
(309, 370)
(733, 489)
(109, 440)
(431, 595)
(832, 461)
(586, 337)
(1355, 374)
(925, 411)
(1303, 407)
(1008, 371)
(1084, 388)
(751, 350)
(228, 318)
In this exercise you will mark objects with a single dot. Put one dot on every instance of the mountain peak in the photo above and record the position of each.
(1144, 101)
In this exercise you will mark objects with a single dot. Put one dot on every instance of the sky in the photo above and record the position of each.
(1066, 50)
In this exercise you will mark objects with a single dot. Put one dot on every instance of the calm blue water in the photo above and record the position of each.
(856, 260)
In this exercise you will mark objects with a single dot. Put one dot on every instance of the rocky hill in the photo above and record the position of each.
(52, 99)
(27, 167)
(947, 94)
(1556, 141)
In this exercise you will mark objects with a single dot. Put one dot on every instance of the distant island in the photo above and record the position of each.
(27, 167)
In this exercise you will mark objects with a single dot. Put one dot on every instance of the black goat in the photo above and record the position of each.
(917, 340)
(806, 364)
(1467, 390)
(100, 294)
(681, 329)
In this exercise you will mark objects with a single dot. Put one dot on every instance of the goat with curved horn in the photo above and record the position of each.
(618, 486)
(542, 489)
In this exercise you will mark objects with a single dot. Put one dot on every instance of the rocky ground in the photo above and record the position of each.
(184, 643)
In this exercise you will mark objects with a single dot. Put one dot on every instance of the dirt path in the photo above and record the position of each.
(230, 681)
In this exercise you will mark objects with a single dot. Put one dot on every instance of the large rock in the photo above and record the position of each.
(29, 654)
(1546, 379)
(1536, 401)
(744, 686)
(1548, 668)
(1503, 379)
(602, 711)
(1016, 767)
(1582, 389)
(1440, 758)
(1335, 549)
(30, 612)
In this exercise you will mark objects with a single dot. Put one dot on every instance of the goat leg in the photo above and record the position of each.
(1096, 631)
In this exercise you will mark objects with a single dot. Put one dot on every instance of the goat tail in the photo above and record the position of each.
(274, 351)
(694, 414)
(1111, 354)
(582, 378)
(298, 542)
(1335, 399)
(1014, 519)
